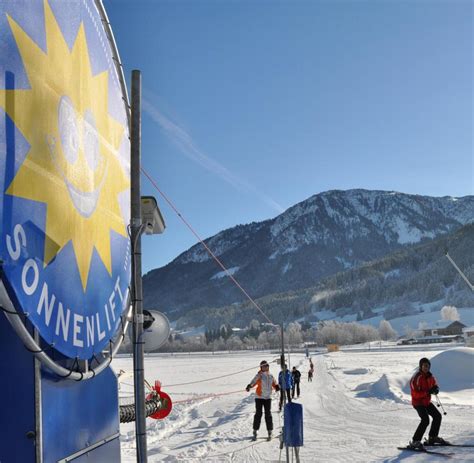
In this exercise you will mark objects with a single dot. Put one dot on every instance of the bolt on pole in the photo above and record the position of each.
(137, 300)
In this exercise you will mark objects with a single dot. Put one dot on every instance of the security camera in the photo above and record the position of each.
(151, 216)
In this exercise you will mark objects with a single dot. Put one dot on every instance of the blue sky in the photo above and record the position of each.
(252, 106)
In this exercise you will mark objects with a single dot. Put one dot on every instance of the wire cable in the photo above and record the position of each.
(215, 377)
(148, 176)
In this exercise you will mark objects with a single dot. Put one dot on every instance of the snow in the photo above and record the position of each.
(456, 367)
(286, 268)
(224, 274)
(344, 262)
(407, 234)
(356, 409)
(393, 273)
(324, 314)
(196, 331)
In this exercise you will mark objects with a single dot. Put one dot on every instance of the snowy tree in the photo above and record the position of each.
(422, 325)
(409, 331)
(293, 334)
(234, 343)
(449, 312)
(310, 335)
(345, 333)
(195, 343)
(263, 342)
(254, 328)
(218, 344)
(274, 339)
(386, 331)
(250, 342)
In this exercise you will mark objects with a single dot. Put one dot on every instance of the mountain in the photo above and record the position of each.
(328, 233)
(396, 285)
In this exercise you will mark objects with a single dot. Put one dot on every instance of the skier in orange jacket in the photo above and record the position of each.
(265, 382)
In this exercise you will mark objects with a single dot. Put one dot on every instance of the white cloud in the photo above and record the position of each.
(188, 147)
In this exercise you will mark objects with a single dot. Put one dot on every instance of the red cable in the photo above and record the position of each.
(207, 396)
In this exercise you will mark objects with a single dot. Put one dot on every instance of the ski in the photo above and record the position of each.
(448, 445)
(431, 452)
(253, 438)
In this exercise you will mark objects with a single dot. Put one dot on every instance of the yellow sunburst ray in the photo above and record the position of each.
(79, 188)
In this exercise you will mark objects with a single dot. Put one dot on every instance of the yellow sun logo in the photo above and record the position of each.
(73, 165)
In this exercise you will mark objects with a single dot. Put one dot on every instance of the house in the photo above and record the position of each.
(406, 342)
(437, 339)
(468, 333)
(444, 328)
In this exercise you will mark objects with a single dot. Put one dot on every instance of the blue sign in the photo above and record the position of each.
(64, 173)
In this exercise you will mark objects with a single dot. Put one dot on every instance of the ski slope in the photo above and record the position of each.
(356, 409)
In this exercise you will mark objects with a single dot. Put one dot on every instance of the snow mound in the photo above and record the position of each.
(356, 371)
(454, 369)
(379, 390)
(218, 413)
(203, 424)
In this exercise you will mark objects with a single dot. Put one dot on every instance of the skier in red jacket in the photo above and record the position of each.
(422, 385)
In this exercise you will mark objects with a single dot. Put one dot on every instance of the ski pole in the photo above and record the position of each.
(440, 405)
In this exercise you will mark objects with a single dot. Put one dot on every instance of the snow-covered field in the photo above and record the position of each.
(357, 409)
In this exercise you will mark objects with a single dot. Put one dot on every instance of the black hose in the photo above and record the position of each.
(127, 412)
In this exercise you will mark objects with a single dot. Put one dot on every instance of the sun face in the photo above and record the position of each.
(72, 166)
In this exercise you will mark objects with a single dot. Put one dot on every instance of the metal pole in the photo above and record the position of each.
(289, 359)
(282, 365)
(38, 407)
(137, 301)
(283, 384)
(460, 272)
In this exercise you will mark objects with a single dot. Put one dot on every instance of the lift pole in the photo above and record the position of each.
(137, 301)
(460, 272)
(283, 385)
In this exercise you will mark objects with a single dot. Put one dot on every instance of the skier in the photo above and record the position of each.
(422, 385)
(288, 385)
(264, 382)
(296, 376)
(310, 371)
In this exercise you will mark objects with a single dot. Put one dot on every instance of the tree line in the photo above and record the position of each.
(259, 336)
